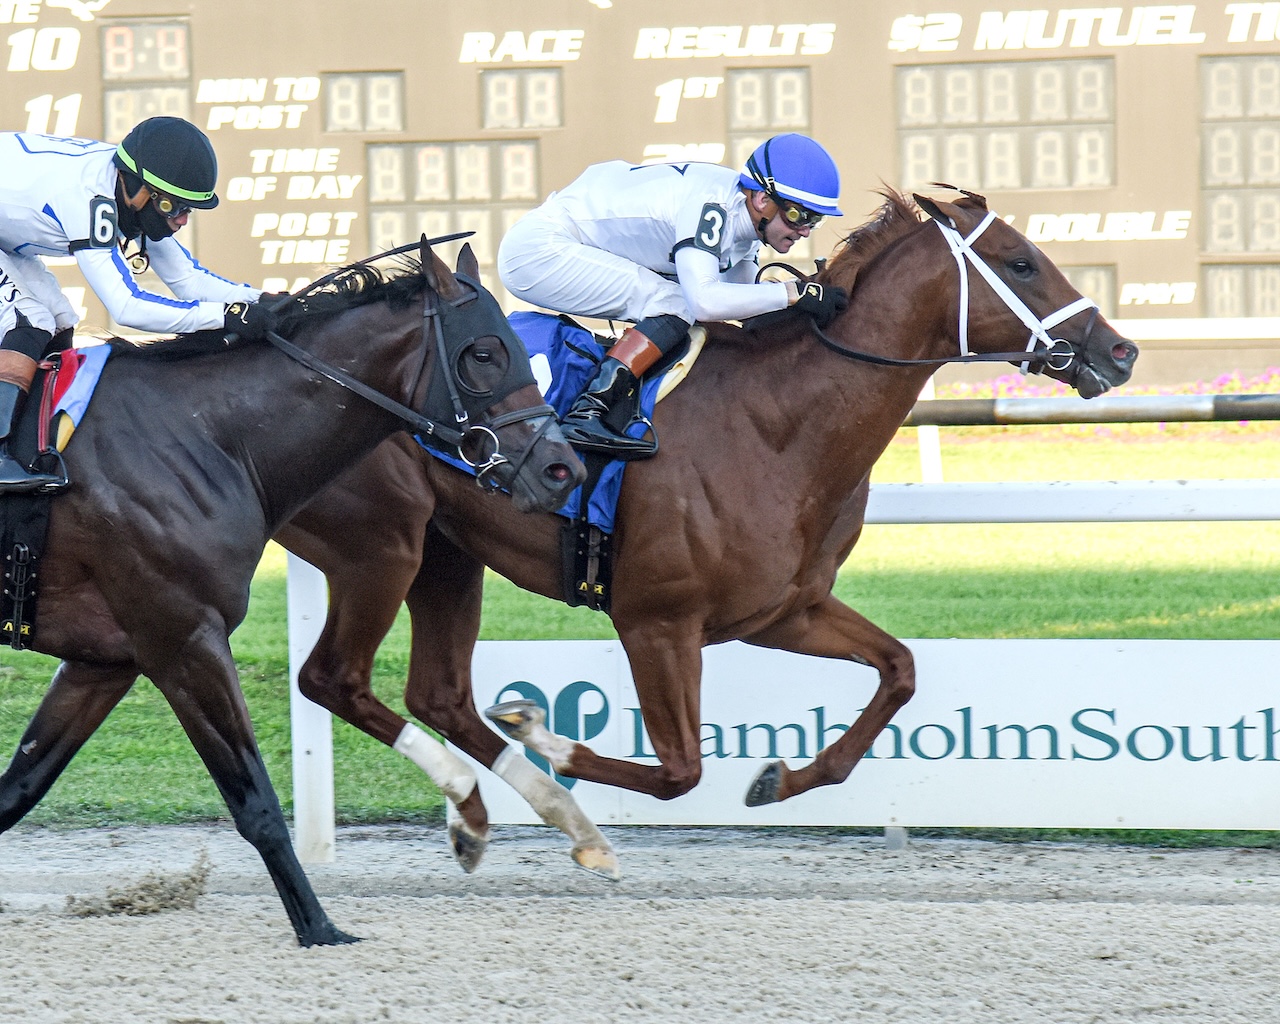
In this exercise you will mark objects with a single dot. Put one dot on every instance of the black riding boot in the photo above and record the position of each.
(583, 424)
(14, 477)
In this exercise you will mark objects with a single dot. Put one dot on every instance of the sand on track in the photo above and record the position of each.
(706, 925)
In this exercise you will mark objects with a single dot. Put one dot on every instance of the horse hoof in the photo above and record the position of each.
(516, 717)
(328, 936)
(764, 787)
(599, 860)
(468, 845)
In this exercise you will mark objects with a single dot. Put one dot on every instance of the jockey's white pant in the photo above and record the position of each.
(544, 262)
(28, 287)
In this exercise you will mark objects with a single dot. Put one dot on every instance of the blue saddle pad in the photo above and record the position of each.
(564, 358)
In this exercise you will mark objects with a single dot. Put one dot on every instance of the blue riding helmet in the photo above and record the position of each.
(795, 168)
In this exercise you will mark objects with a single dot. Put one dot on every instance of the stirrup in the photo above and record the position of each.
(32, 480)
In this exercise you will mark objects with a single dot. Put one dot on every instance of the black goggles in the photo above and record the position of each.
(798, 216)
(169, 206)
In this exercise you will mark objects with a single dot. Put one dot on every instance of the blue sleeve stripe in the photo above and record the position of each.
(197, 264)
(158, 300)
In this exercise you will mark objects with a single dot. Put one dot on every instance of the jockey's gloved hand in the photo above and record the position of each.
(249, 320)
(824, 302)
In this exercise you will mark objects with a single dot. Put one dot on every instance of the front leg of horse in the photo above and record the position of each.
(836, 631)
(79, 698)
(444, 606)
(201, 686)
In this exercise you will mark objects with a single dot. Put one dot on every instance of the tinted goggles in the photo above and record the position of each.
(169, 206)
(798, 216)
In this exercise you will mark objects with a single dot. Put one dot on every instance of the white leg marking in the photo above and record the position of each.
(555, 748)
(556, 806)
(444, 767)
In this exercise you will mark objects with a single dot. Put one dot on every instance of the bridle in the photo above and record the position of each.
(1042, 351)
(1054, 357)
(443, 393)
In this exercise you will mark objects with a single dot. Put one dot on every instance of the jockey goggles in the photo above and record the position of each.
(798, 216)
(169, 206)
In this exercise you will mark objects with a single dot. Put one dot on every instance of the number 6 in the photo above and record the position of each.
(102, 222)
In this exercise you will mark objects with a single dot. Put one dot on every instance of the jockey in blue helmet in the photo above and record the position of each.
(797, 176)
(661, 246)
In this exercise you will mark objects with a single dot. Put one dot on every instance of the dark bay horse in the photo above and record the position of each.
(183, 467)
(735, 531)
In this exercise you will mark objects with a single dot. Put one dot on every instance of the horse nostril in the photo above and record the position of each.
(1124, 352)
(558, 472)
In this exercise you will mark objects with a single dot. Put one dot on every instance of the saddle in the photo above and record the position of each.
(565, 357)
(52, 409)
(586, 538)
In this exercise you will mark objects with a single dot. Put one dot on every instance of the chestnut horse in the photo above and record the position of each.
(191, 456)
(735, 531)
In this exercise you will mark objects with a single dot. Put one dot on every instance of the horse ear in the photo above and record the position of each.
(467, 262)
(437, 272)
(934, 210)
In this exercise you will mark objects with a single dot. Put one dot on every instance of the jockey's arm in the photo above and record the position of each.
(130, 306)
(713, 296)
(188, 279)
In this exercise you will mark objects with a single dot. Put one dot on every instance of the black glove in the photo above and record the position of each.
(823, 302)
(248, 320)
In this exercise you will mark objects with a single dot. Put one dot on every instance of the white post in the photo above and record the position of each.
(312, 726)
(930, 446)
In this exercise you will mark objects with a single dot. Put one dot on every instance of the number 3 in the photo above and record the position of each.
(710, 228)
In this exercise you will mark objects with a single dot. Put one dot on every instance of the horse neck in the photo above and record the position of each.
(310, 428)
(835, 415)
(901, 308)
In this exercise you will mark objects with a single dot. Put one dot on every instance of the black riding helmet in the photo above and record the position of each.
(173, 157)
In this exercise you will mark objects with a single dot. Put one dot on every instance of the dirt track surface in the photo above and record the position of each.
(706, 925)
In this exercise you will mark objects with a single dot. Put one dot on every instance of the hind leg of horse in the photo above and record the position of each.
(667, 670)
(444, 603)
(79, 698)
(201, 686)
(366, 533)
(834, 630)
(338, 674)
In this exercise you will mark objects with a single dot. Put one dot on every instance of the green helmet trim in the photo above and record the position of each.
(159, 183)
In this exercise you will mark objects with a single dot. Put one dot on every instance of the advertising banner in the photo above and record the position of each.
(1000, 733)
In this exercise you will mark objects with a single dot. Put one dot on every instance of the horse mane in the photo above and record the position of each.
(897, 217)
(357, 284)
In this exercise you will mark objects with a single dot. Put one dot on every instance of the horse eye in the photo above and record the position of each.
(482, 355)
(1022, 267)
